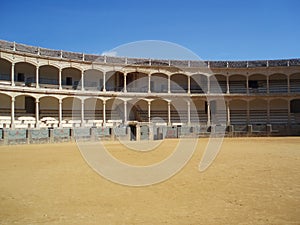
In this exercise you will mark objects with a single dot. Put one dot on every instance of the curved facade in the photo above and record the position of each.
(52, 88)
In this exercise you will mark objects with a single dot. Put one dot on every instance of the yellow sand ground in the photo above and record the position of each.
(252, 181)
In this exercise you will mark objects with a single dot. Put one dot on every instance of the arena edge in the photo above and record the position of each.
(39, 87)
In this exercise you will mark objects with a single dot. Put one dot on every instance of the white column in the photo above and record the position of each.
(189, 84)
(104, 113)
(125, 82)
(169, 84)
(12, 74)
(125, 111)
(12, 125)
(149, 83)
(169, 113)
(82, 80)
(82, 112)
(37, 85)
(149, 111)
(208, 85)
(189, 112)
(37, 113)
(228, 112)
(59, 79)
(104, 81)
(60, 112)
(268, 85)
(227, 85)
(208, 113)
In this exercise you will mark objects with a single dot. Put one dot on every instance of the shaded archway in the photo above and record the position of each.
(137, 82)
(237, 84)
(71, 108)
(218, 83)
(93, 109)
(199, 113)
(257, 83)
(179, 83)
(25, 73)
(238, 112)
(5, 106)
(93, 80)
(258, 111)
(159, 111)
(295, 82)
(159, 83)
(49, 107)
(5, 70)
(71, 78)
(48, 76)
(198, 83)
(114, 81)
(278, 111)
(278, 83)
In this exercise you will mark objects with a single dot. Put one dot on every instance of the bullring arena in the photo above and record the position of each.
(50, 96)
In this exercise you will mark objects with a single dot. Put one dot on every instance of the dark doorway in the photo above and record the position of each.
(21, 77)
(132, 132)
(69, 81)
(295, 106)
(29, 105)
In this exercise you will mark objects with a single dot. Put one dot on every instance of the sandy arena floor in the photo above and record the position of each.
(252, 181)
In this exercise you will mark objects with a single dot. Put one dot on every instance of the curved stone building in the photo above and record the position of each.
(45, 88)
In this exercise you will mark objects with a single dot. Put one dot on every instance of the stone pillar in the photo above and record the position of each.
(149, 83)
(208, 113)
(125, 82)
(82, 112)
(169, 113)
(37, 84)
(227, 85)
(138, 132)
(169, 84)
(228, 112)
(289, 112)
(189, 113)
(37, 113)
(82, 80)
(12, 123)
(208, 85)
(104, 113)
(60, 113)
(59, 79)
(189, 84)
(268, 111)
(149, 111)
(104, 81)
(125, 112)
(12, 74)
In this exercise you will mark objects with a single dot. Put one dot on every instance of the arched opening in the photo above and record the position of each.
(278, 83)
(258, 111)
(159, 111)
(237, 84)
(71, 109)
(199, 111)
(114, 81)
(25, 111)
(93, 109)
(295, 111)
(49, 107)
(71, 78)
(137, 82)
(5, 106)
(295, 82)
(179, 83)
(159, 83)
(93, 80)
(218, 83)
(115, 110)
(138, 110)
(238, 112)
(25, 74)
(279, 111)
(5, 71)
(257, 83)
(48, 76)
(179, 111)
(198, 83)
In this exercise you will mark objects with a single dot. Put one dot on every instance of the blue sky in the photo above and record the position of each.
(214, 30)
